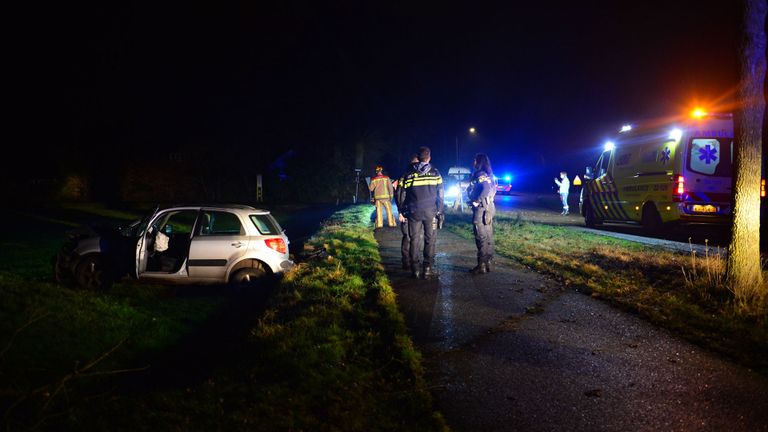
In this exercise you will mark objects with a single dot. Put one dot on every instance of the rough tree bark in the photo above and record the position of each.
(744, 272)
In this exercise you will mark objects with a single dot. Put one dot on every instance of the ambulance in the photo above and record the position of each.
(662, 174)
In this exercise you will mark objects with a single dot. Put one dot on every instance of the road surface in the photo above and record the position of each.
(514, 350)
(545, 208)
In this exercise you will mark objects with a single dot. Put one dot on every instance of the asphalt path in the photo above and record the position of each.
(514, 350)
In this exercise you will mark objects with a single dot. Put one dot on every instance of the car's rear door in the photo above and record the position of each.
(219, 240)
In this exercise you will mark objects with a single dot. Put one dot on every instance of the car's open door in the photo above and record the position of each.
(142, 254)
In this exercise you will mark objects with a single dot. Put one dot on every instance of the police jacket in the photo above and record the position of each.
(423, 191)
(400, 193)
(381, 187)
(482, 189)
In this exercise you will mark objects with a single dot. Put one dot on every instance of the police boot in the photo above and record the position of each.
(428, 272)
(480, 268)
(415, 271)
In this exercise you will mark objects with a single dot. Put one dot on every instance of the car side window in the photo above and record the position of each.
(265, 224)
(178, 222)
(214, 223)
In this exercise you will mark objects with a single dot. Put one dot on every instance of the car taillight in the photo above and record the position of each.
(276, 244)
(762, 188)
(679, 188)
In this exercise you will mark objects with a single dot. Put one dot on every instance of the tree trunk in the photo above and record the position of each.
(744, 272)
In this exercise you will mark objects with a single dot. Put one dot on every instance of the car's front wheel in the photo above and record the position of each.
(248, 277)
(92, 274)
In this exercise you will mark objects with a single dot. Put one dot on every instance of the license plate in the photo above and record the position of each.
(697, 208)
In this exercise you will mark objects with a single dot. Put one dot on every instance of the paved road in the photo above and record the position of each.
(514, 350)
(545, 208)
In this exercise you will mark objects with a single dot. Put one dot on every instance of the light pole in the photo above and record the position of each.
(471, 131)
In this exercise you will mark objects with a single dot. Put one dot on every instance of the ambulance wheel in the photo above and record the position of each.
(589, 217)
(650, 220)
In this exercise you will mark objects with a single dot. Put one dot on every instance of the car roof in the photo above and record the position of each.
(241, 207)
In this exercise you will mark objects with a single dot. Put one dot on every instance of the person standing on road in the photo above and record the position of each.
(381, 186)
(564, 186)
(482, 190)
(405, 244)
(423, 189)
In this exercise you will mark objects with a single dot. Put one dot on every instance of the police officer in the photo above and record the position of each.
(423, 189)
(381, 186)
(405, 243)
(482, 189)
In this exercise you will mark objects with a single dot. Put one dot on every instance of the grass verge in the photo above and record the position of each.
(331, 352)
(645, 280)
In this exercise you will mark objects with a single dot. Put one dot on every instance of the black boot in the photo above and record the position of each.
(487, 266)
(428, 272)
(406, 265)
(415, 272)
(480, 268)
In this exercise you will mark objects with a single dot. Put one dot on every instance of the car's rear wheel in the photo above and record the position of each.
(247, 278)
(92, 274)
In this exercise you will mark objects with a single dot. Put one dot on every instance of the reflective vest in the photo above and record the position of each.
(381, 186)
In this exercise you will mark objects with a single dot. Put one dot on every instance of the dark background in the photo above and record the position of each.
(169, 102)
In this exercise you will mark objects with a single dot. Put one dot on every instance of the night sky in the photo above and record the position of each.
(543, 82)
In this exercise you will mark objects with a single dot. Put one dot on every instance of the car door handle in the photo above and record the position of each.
(238, 244)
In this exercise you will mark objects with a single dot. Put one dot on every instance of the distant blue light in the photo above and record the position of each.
(507, 178)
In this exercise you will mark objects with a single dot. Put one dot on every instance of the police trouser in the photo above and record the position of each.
(422, 233)
(387, 204)
(482, 221)
(405, 244)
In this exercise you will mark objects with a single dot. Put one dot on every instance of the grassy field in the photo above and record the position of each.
(327, 350)
(679, 292)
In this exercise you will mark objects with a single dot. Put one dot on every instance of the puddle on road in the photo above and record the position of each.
(444, 328)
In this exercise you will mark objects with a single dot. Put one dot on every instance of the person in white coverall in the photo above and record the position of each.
(564, 184)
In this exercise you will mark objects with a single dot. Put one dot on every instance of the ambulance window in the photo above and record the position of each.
(602, 164)
(711, 156)
(650, 156)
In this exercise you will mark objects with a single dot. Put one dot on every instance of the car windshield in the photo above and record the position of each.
(135, 228)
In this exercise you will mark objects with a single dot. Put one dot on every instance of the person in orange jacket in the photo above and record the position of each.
(382, 189)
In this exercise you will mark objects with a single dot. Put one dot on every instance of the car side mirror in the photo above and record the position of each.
(588, 173)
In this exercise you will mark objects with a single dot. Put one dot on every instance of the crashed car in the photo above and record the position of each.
(183, 245)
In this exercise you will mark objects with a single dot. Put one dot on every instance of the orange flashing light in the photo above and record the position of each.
(698, 113)
(762, 188)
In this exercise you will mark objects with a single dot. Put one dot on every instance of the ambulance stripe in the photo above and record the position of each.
(596, 203)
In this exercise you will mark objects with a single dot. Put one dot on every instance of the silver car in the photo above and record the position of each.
(187, 244)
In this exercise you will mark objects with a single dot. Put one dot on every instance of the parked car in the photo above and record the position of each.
(456, 183)
(503, 185)
(183, 245)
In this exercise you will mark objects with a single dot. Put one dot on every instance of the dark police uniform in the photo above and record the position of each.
(482, 189)
(405, 243)
(422, 189)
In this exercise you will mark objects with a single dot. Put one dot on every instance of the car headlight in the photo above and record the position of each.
(453, 191)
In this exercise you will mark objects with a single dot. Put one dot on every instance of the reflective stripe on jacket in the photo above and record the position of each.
(423, 190)
(381, 186)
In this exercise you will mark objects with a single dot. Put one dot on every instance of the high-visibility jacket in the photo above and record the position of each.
(423, 189)
(381, 186)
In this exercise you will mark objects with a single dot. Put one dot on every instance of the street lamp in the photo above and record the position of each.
(472, 131)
